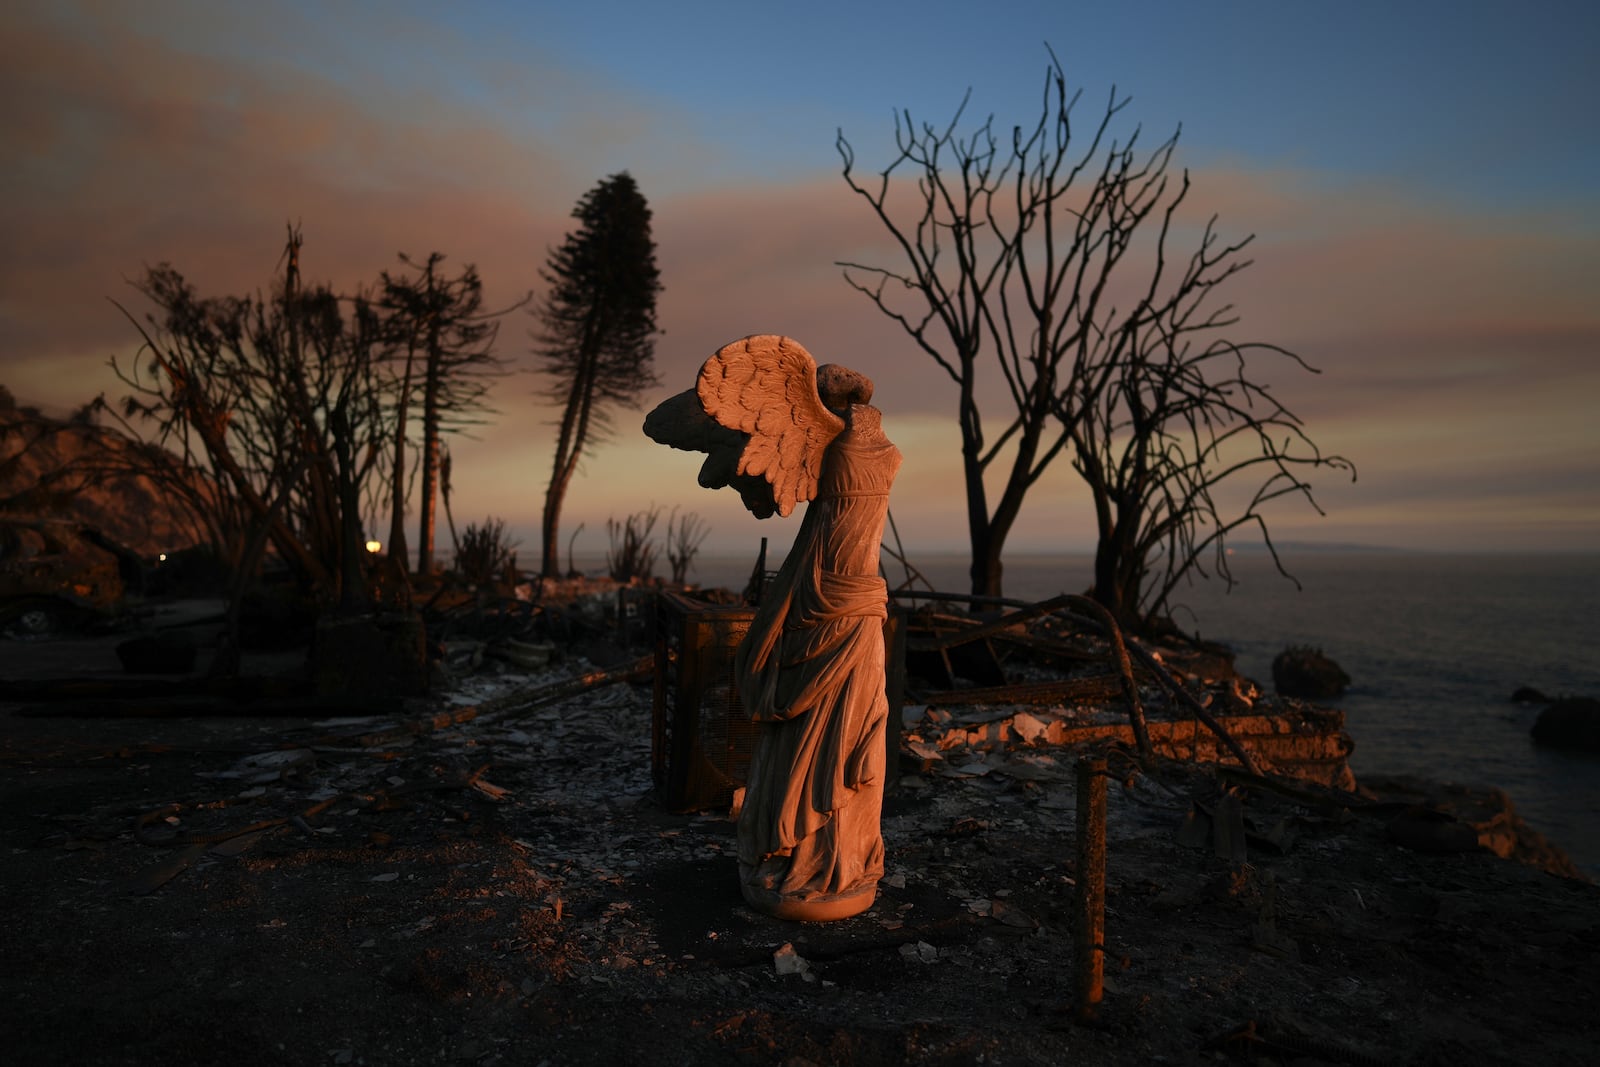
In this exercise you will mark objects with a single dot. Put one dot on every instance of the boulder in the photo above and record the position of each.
(1526, 694)
(1441, 815)
(1307, 674)
(1571, 723)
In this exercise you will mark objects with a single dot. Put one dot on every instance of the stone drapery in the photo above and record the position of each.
(811, 673)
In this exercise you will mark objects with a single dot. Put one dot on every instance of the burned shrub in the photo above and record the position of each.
(631, 554)
(685, 533)
(484, 552)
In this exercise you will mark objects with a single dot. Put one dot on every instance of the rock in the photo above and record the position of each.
(1440, 811)
(1570, 723)
(1529, 695)
(163, 653)
(65, 561)
(1307, 674)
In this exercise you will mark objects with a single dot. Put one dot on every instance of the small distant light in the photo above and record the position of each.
(163, 557)
(374, 546)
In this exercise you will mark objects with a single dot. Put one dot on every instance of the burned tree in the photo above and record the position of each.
(632, 553)
(1002, 264)
(445, 352)
(273, 400)
(34, 478)
(1165, 416)
(685, 533)
(1024, 257)
(598, 325)
(485, 552)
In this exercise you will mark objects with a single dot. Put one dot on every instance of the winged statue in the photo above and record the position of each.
(757, 413)
(810, 668)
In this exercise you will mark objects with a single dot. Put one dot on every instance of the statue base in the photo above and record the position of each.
(815, 909)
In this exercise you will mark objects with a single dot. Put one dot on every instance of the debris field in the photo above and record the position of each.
(490, 878)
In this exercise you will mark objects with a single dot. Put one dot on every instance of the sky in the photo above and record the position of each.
(1422, 180)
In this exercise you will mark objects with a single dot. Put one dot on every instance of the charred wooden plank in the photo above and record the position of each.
(1093, 687)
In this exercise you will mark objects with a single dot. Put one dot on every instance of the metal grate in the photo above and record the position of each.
(701, 740)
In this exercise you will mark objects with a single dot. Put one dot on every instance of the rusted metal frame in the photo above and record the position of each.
(1082, 605)
(1118, 654)
(1048, 647)
(1089, 912)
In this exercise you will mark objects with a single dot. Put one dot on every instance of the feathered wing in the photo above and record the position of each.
(765, 386)
(681, 422)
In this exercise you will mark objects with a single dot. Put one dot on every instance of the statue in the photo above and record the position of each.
(780, 430)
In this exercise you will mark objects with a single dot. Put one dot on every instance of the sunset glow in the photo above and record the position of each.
(1430, 242)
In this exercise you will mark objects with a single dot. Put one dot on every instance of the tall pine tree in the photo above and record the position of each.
(598, 325)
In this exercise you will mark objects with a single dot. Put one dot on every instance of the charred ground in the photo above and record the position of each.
(506, 888)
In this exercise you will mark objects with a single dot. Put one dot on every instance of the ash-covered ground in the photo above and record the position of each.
(507, 889)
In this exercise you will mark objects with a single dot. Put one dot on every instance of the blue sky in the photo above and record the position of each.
(1480, 100)
(1422, 178)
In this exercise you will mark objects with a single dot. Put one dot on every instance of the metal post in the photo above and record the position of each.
(1089, 942)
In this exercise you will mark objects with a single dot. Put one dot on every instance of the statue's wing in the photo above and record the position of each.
(766, 386)
(681, 422)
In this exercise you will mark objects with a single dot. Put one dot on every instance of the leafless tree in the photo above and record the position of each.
(632, 555)
(444, 366)
(1029, 258)
(1004, 264)
(685, 533)
(274, 401)
(1174, 425)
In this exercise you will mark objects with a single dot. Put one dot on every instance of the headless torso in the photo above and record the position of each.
(812, 675)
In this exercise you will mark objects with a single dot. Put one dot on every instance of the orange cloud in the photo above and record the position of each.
(131, 153)
(1457, 346)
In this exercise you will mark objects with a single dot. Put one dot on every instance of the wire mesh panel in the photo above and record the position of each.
(702, 734)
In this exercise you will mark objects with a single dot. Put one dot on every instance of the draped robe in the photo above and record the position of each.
(811, 672)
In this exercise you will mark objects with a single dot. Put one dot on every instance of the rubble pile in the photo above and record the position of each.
(1039, 678)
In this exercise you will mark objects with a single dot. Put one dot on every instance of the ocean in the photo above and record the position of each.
(1434, 643)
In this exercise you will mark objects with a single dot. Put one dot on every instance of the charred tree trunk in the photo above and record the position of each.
(427, 503)
(397, 487)
(569, 447)
(352, 542)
